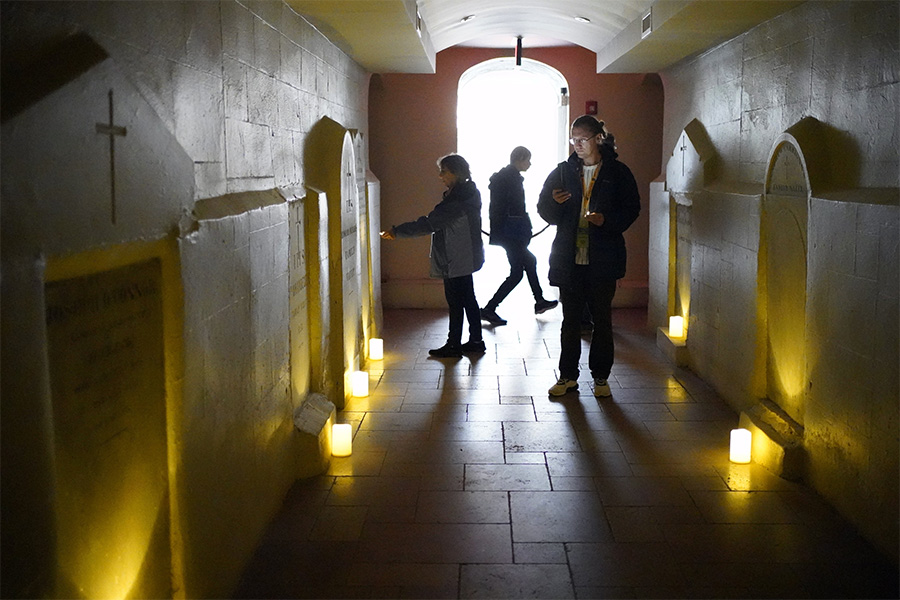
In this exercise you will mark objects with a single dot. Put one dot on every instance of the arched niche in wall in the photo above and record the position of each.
(687, 171)
(334, 215)
(365, 236)
(352, 203)
(783, 263)
(373, 248)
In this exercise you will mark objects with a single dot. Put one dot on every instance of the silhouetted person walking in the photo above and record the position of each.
(511, 230)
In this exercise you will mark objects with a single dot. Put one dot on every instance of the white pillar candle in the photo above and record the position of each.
(341, 439)
(376, 349)
(740, 445)
(676, 327)
(360, 384)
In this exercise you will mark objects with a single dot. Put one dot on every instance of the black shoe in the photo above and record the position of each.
(474, 347)
(446, 351)
(492, 317)
(542, 306)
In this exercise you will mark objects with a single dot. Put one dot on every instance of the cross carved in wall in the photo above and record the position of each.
(348, 186)
(112, 131)
(683, 147)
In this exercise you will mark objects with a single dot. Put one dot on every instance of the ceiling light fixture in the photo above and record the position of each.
(582, 19)
(647, 24)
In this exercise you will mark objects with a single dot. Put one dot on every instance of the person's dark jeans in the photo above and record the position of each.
(598, 295)
(460, 294)
(521, 260)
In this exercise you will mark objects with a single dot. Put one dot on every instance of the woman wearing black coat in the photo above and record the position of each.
(592, 198)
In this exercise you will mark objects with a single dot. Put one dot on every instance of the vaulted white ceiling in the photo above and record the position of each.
(627, 35)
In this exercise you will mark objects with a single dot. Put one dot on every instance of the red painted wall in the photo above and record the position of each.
(412, 122)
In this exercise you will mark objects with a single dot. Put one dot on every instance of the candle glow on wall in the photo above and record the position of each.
(740, 446)
(341, 439)
(376, 349)
(360, 384)
(676, 327)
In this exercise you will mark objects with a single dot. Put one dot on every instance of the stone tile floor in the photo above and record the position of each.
(468, 481)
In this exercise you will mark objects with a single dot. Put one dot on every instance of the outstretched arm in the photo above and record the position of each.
(416, 228)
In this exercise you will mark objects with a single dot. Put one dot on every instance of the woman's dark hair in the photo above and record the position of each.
(456, 164)
(595, 126)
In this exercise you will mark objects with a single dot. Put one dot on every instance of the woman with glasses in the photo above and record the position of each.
(456, 251)
(592, 198)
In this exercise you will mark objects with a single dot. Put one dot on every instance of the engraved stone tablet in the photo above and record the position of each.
(350, 259)
(108, 386)
(787, 172)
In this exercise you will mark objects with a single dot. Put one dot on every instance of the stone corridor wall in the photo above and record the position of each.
(837, 63)
(174, 133)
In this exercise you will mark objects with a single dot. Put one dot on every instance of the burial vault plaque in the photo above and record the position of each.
(107, 377)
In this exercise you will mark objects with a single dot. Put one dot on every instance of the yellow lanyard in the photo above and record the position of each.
(586, 192)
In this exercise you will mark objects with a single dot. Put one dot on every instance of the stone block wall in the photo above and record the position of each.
(835, 61)
(236, 435)
(213, 104)
(853, 359)
(834, 64)
(722, 326)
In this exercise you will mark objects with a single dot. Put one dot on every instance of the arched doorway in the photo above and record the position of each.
(500, 106)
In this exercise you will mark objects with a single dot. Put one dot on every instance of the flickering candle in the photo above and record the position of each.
(376, 349)
(360, 384)
(341, 439)
(740, 445)
(676, 327)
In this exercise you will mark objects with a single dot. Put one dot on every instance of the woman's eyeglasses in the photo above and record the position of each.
(580, 141)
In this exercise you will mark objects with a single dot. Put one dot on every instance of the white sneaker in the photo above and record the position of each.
(562, 386)
(601, 388)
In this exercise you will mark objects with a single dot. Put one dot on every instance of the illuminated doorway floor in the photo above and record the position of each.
(468, 481)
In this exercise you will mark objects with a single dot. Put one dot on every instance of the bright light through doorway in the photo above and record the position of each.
(501, 106)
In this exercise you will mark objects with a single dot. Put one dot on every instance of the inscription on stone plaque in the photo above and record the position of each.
(107, 377)
(352, 313)
(787, 175)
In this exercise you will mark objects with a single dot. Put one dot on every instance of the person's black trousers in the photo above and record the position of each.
(460, 294)
(521, 260)
(597, 294)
